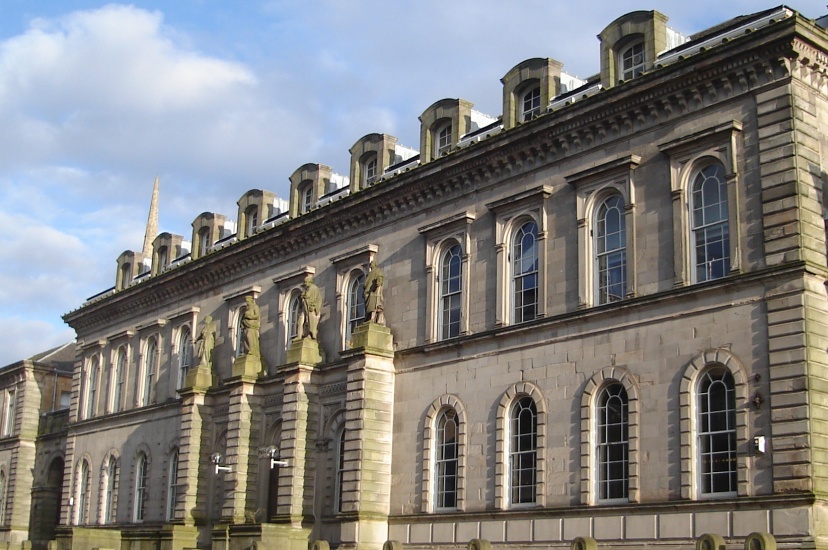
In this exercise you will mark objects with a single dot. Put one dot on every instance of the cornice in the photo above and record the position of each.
(663, 95)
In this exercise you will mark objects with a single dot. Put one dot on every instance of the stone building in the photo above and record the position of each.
(34, 392)
(602, 319)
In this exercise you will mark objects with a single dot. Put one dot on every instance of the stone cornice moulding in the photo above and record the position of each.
(664, 94)
(447, 224)
(123, 335)
(294, 276)
(363, 254)
(155, 324)
(94, 344)
(541, 192)
(607, 170)
(252, 290)
(190, 311)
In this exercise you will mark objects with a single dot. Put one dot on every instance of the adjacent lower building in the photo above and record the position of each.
(599, 317)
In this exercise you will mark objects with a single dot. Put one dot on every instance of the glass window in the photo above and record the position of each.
(185, 355)
(356, 305)
(446, 461)
(370, 171)
(613, 444)
(150, 366)
(3, 495)
(632, 61)
(442, 140)
(611, 250)
(82, 497)
(141, 479)
(8, 423)
(203, 241)
(305, 197)
(252, 220)
(525, 272)
(717, 432)
(126, 275)
(92, 391)
(523, 451)
(340, 471)
(294, 314)
(120, 376)
(711, 236)
(172, 486)
(110, 478)
(531, 104)
(163, 258)
(451, 290)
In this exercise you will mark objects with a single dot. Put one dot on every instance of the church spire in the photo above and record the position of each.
(152, 221)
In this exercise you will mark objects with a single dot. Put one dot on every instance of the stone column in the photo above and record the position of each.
(242, 424)
(193, 464)
(369, 411)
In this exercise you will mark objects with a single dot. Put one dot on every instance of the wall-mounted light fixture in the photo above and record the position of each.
(217, 458)
(273, 453)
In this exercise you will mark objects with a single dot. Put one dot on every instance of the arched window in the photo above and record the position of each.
(141, 488)
(172, 486)
(9, 413)
(631, 61)
(355, 308)
(446, 461)
(118, 385)
(451, 293)
(294, 313)
(523, 448)
(109, 487)
(163, 258)
(239, 332)
(531, 106)
(340, 471)
(710, 228)
(185, 355)
(525, 272)
(251, 217)
(442, 139)
(92, 391)
(305, 197)
(611, 250)
(612, 439)
(369, 171)
(3, 497)
(716, 425)
(126, 275)
(82, 494)
(150, 367)
(203, 241)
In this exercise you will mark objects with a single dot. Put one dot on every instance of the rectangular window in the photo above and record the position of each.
(8, 423)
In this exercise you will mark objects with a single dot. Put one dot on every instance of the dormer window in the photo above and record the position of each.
(631, 61)
(203, 241)
(126, 275)
(442, 140)
(251, 220)
(163, 258)
(531, 104)
(305, 197)
(369, 171)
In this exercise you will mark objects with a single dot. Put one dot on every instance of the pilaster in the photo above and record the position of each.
(243, 422)
(192, 462)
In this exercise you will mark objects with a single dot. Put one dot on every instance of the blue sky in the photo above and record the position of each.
(218, 97)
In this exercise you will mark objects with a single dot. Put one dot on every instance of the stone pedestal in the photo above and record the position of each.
(306, 351)
(200, 378)
(249, 366)
(373, 338)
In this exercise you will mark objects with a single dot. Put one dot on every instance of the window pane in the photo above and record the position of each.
(613, 445)
(523, 451)
(710, 223)
(717, 432)
(525, 273)
(611, 250)
(450, 293)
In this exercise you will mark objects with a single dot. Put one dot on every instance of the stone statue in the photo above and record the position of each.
(250, 324)
(311, 304)
(373, 295)
(205, 342)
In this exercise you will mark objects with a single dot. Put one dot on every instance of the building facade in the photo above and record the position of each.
(597, 317)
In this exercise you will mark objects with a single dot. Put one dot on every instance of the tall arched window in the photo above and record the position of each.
(251, 217)
(141, 487)
(172, 486)
(525, 272)
(611, 250)
(162, 258)
(150, 368)
(82, 494)
(294, 313)
(451, 293)
(442, 139)
(355, 309)
(92, 391)
(305, 197)
(340, 471)
(632, 61)
(612, 438)
(710, 228)
(109, 487)
(369, 171)
(3, 497)
(531, 104)
(203, 241)
(118, 384)
(716, 424)
(185, 355)
(446, 461)
(523, 449)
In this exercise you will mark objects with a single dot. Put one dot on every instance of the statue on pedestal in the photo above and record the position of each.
(373, 295)
(311, 305)
(251, 322)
